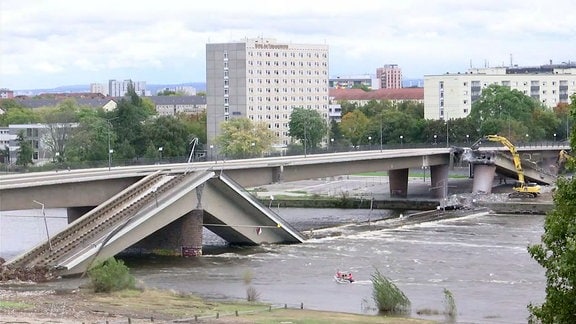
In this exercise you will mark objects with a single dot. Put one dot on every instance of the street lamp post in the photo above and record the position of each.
(467, 139)
(253, 145)
(45, 223)
(369, 142)
(402, 141)
(332, 144)
(381, 135)
(554, 138)
(435, 137)
(160, 149)
(212, 152)
(110, 151)
(527, 139)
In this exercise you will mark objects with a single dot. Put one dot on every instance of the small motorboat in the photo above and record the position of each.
(343, 277)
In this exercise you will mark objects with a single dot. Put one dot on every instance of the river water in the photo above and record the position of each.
(481, 259)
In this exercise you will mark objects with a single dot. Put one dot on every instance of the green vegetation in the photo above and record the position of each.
(14, 305)
(242, 138)
(308, 127)
(450, 309)
(388, 297)
(111, 275)
(557, 252)
(80, 137)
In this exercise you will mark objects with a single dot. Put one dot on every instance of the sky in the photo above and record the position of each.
(50, 43)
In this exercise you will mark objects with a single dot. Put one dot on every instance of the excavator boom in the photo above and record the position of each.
(522, 189)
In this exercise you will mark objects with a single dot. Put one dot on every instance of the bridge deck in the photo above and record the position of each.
(149, 205)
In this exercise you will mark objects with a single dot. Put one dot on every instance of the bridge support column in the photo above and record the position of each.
(74, 213)
(439, 180)
(398, 183)
(483, 178)
(191, 235)
(278, 174)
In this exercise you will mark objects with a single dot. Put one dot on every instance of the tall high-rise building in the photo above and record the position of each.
(264, 81)
(98, 88)
(390, 76)
(120, 88)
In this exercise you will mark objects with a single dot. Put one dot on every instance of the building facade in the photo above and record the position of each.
(449, 96)
(174, 105)
(264, 80)
(120, 88)
(6, 93)
(389, 76)
(99, 88)
(354, 81)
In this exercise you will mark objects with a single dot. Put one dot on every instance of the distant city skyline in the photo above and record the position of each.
(46, 44)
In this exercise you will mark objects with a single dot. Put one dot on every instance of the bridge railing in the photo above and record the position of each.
(290, 151)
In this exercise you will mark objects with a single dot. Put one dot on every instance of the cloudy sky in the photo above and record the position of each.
(49, 43)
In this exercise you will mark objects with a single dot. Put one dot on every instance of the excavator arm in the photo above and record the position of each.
(515, 156)
(522, 188)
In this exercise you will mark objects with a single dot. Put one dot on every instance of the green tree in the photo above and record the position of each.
(20, 116)
(60, 123)
(241, 138)
(170, 133)
(128, 120)
(25, 152)
(499, 106)
(90, 139)
(354, 126)
(308, 127)
(557, 252)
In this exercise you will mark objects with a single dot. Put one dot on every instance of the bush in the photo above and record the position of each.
(111, 275)
(389, 299)
(449, 306)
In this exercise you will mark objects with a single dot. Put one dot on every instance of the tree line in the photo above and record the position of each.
(134, 132)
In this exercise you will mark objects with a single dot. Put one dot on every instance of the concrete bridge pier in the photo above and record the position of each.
(439, 180)
(483, 178)
(398, 183)
(191, 235)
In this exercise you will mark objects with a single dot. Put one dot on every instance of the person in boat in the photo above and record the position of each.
(350, 277)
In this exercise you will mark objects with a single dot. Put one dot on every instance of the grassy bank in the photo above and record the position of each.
(146, 306)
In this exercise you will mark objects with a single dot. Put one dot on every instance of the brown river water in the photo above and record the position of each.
(481, 259)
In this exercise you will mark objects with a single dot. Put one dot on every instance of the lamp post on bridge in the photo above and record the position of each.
(402, 141)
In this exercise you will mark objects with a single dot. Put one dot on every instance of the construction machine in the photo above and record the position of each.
(521, 188)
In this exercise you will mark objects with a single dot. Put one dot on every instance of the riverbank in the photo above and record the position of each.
(373, 192)
(154, 306)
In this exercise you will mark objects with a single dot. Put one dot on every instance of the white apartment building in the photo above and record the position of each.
(120, 88)
(98, 88)
(450, 95)
(264, 80)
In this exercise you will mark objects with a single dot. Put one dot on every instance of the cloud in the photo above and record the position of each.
(54, 41)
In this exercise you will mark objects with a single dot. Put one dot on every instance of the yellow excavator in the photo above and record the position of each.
(521, 188)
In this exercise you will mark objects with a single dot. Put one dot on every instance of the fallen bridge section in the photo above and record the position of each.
(150, 206)
(486, 163)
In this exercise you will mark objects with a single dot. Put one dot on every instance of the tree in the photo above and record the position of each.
(241, 138)
(128, 120)
(497, 109)
(90, 139)
(60, 123)
(354, 126)
(170, 133)
(557, 252)
(25, 151)
(308, 127)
